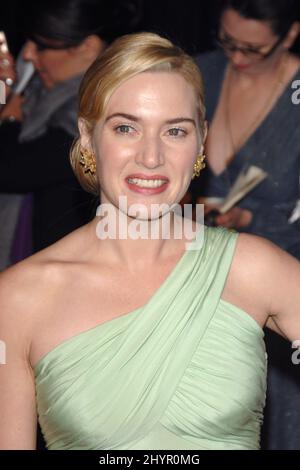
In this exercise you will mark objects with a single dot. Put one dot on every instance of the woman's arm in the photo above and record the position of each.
(18, 416)
(265, 281)
(284, 291)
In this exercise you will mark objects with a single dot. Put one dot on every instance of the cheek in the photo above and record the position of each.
(48, 65)
(114, 154)
(187, 157)
(53, 63)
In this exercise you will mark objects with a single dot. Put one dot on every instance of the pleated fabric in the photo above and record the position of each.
(185, 371)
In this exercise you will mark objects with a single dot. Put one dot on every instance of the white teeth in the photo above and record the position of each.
(146, 183)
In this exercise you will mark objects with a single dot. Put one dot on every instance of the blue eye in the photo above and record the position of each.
(124, 129)
(177, 132)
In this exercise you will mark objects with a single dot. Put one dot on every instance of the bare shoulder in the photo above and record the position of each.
(22, 295)
(256, 256)
(30, 288)
(256, 250)
(28, 292)
(24, 289)
(264, 279)
(22, 284)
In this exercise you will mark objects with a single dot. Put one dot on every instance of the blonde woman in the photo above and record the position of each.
(133, 342)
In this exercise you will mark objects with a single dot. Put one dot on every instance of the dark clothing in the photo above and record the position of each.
(42, 166)
(34, 158)
(274, 147)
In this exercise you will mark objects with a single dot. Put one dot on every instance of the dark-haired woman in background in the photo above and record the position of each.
(64, 38)
(254, 122)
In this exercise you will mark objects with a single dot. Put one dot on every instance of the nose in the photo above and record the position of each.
(150, 154)
(238, 58)
(29, 52)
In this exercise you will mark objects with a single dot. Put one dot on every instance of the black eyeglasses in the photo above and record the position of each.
(43, 45)
(228, 44)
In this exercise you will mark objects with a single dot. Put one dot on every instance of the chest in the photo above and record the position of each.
(223, 381)
(89, 301)
(239, 113)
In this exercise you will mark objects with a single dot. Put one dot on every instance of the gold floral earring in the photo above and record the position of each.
(87, 160)
(198, 166)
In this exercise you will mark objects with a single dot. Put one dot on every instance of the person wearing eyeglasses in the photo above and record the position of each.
(63, 38)
(253, 122)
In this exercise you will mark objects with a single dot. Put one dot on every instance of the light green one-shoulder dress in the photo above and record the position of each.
(185, 371)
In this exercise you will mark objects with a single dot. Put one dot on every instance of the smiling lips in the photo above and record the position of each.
(241, 66)
(144, 184)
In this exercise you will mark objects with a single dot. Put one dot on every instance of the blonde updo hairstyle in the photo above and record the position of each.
(124, 58)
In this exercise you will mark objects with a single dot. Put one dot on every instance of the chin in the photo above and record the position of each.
(48, 83)
(141, 208)
(145, 213)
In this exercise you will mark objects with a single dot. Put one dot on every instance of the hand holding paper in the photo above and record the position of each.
(245, 182)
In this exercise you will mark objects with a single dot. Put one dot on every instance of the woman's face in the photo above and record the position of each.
(53, 65)
(249, 44)
(148, 140)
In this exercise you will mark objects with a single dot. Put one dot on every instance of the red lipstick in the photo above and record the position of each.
(147, 191)
(242, 67)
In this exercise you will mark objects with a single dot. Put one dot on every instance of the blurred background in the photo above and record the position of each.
(186, 23)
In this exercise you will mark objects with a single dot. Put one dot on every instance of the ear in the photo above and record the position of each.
(85, 135)
(204, 136)
(89, 48)
(205, 130)
(292, 35)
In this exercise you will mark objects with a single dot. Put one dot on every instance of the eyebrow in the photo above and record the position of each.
(136, 119)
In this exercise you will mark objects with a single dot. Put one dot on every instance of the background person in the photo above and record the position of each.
(253, 121)
(63, 38)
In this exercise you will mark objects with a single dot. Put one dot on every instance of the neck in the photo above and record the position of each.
(125, 245)
(262, 72)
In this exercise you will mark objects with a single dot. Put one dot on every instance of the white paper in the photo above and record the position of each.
(296, 214)
(245, 182)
